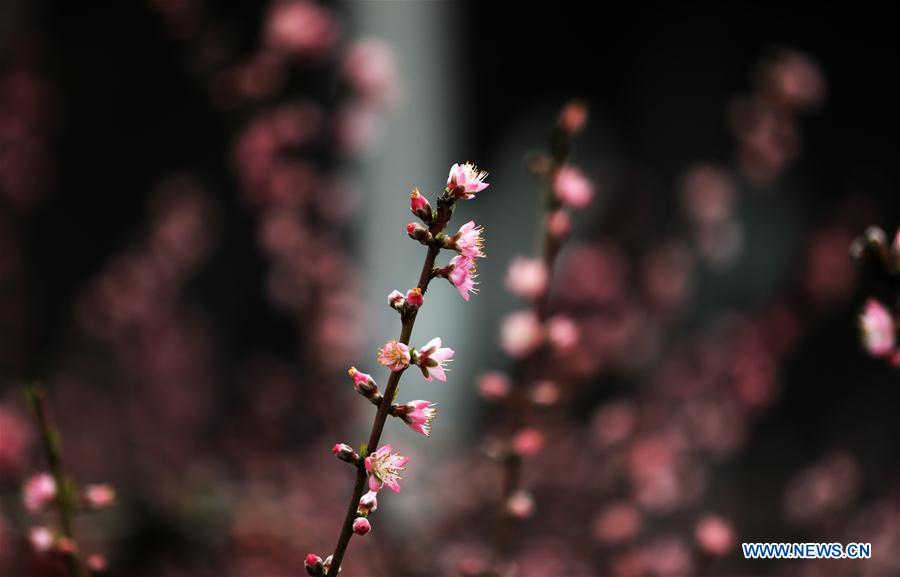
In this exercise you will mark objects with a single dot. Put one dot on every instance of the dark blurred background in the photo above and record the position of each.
(136, 106)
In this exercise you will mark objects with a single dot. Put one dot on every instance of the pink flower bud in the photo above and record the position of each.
(361, 526)
(364, 384)
(420, 207)
(345, 453)
(418, 231)
(559, 224)
(572, 187)
(314, 565)
(41, 538)
(528, 442)
(573, 117)
(99, 495)
(39, 490)
(520, 504)
(367, 503)
(493, 385)
(396, 300)
(527, 277)
(414, 298)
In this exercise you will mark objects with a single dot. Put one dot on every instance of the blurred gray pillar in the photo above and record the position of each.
(419, 141)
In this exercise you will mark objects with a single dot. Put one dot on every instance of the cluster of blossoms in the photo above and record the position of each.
(382, 467)
(877, 323)
(54, 490)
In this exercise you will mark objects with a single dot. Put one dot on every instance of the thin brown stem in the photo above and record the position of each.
(408, 321)
(64, 501)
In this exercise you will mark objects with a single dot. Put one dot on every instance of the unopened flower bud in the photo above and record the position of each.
(364, 384)
(396, 300)
(361, 526)
(314, 565)
(418, 231)
(420, 207)
(414, 299)
(326, 566)
(367, 504)
(345, 453)
(573, 117)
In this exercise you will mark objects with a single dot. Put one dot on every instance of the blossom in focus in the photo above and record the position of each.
(384, 469)
(363, 383)
(414, 298)
(418, 415)
(527, 277)
(394, 355)
(420, 206)
(521, 333)
(468, 240)
(39, 490)
(462, 275)
(432, 359)
(465, 180)
(877, 328)
(572, 187)
(361, 526)
(313, 564)
(396, 300)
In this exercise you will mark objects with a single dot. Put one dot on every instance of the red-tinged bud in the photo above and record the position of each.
(364, 384)
(420, 207)
(418, 231)
(361, 526)
(414, 299)
(345, 453)
(326, 566)
(573, 117)
(314, 565)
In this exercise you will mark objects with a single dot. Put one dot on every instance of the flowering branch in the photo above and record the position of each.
(565, 186)
(379, 468)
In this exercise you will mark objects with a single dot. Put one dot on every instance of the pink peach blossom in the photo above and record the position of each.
(572, 187)
(384, 469)
(41, 538)
(527, 277)
(394, 355)
(562, 332)
(493, 385)
(528, 442)
(462, 275)
(878, 330)
(300, 28)
(99, 495)
(468, 240)
(432, 359)
(363, 383)
(418, 415)
(465, 180)
(414, 298)
(714, 535)
(420, 206)
(520, 504)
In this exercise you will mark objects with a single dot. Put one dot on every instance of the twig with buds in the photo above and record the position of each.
(376, 469)
(565, 186)
(58, 489)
